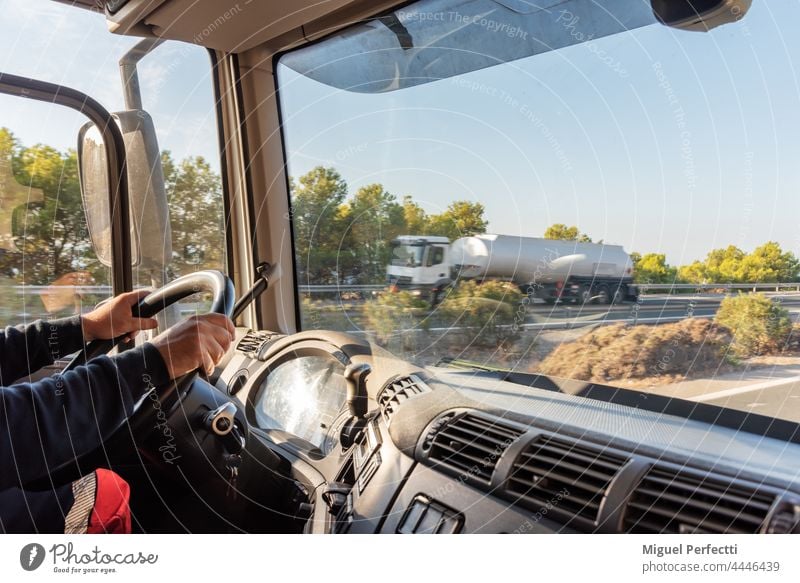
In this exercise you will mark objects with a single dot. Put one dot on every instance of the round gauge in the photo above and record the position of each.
(302, 396)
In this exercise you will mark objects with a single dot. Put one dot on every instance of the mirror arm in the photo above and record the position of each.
(130, 77)
(122, 273)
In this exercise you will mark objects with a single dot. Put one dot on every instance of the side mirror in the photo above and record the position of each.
(151, 239)
(699, 15)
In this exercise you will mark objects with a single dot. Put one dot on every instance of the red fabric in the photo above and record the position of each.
(111, 513)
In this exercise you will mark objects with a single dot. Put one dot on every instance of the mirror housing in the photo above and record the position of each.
(699, 15)
(151, 238)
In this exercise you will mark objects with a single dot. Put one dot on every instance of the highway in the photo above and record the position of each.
(655, 309)
(773, 391)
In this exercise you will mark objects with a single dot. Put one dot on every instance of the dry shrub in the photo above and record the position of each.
(663, 353)
(793, 340)
(484, 313)
(759, 325)
(393, 313)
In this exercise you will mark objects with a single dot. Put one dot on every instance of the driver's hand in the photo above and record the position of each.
(197, 342)
(114, 318)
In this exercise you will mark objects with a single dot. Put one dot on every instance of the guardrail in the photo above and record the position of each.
(339, 288)
(645, 287)
(347, 288)
(76, 289)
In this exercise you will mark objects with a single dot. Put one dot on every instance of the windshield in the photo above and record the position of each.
(407, 255)
(617, 197)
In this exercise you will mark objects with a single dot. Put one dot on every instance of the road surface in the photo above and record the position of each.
(767, 390)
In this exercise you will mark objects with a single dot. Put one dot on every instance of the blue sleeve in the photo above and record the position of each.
(48, 423)
(25, 349)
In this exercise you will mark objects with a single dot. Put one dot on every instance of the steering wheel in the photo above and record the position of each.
(212, 281)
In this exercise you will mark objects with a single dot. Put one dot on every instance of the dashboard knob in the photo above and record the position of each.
(220, 421)
(357, 396)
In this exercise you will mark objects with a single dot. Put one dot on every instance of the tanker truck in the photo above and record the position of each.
(548, 269)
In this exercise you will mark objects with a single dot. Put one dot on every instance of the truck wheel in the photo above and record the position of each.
(585, 295)
(603, 295)
(618, 296)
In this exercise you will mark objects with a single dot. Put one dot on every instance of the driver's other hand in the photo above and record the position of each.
(197, 342)
(115, 318)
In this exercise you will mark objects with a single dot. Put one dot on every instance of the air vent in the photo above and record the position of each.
(666, 501)
(251, 343)
(567, 476)
(471, 445)
(426, 516)
(398, 391)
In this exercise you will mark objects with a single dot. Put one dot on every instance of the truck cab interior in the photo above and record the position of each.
(314, 424)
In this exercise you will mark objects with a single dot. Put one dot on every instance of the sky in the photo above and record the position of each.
(72, 47)
(694, 147)
(678, 142)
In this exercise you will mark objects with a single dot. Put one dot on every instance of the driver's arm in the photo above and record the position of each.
(26, 349)
(48, 423)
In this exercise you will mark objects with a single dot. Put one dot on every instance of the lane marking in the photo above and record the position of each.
(745, 389)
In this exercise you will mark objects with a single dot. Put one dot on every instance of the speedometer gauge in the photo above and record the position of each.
(302, 396)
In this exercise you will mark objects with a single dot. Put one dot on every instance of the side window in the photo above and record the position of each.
(177, 92)
(435, 256)
(48, 267)
(181, 103)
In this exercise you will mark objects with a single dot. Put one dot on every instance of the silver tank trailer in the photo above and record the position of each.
(535, 260)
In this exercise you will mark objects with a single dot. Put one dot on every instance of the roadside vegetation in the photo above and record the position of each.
(757, 324)
(661, 354)
(484, 313)
(746, 326)
(475, 315)
(395, 314)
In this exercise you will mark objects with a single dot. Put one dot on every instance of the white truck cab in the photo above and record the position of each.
(420, 264)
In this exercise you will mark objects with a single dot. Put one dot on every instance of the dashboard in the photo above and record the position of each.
(444, 450)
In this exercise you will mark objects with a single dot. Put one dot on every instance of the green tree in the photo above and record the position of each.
(54, 239)
(653, 268)
(462, 218)
(373, 218)
(9, 145)
(768, 263)
(695, 272)
(194, 195)
(563, 232)
(723, 265)
(318, 225)
(765, 264)
(416, 219)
